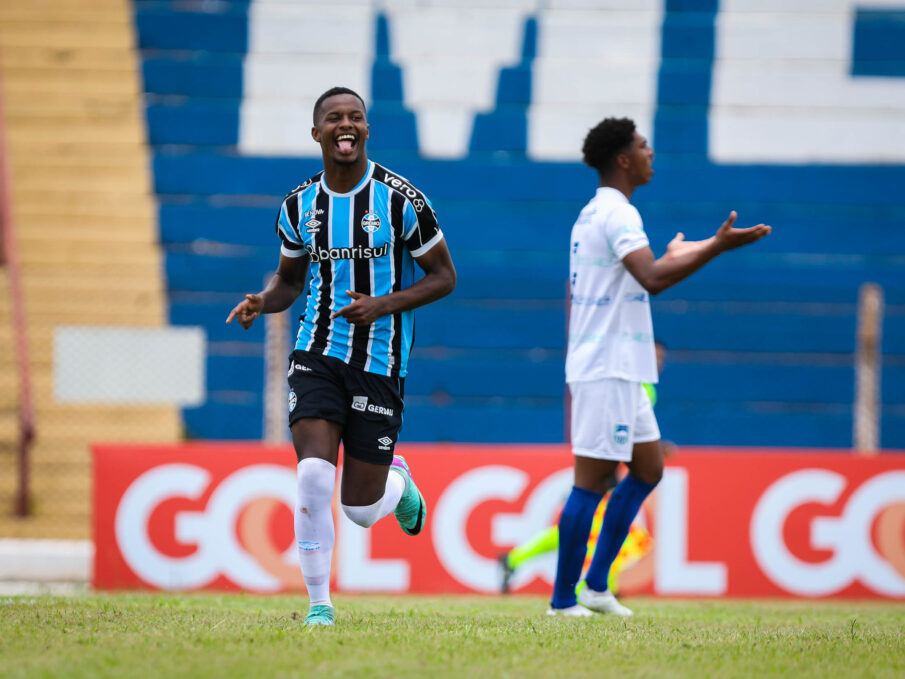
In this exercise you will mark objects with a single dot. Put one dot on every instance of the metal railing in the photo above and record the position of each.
(9, 256)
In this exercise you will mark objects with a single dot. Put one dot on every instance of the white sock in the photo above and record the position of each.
(314, 530)
(368, 515)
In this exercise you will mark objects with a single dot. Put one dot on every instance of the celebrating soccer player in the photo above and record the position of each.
(611, 353)
(359, 228)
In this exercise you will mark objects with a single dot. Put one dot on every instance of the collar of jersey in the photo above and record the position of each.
(358, 186)
(611, 192)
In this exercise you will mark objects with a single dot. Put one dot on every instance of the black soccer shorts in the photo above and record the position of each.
(367, 405)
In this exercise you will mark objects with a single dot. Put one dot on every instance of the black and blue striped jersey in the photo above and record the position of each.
(364, 240)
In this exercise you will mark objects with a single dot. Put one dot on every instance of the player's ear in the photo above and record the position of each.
(315, 134)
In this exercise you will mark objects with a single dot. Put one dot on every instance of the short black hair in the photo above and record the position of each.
(607, 140)
(332, 92)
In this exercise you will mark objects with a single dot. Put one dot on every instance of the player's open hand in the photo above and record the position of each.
(729, 238)
(679, 245)
(247, 310)
(363, 310)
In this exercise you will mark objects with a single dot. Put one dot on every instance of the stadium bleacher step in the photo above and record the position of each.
(42, 381)
(9, 388)
(61, 110)
(75, 129)
(53, 161)
(73, 150)
(86, 423)
(137, 299)
(72, 35)
(93, 253)
(9, 425)
(83, 230)
(62, 453)
(129, 179)
(64, 11)
(47, 131)
(65, 454)
(44, 5)
(99, 202)
(66, 83)
(47, 524)
(9, 396)
(54, 307)
(76, 481)
(61, 57)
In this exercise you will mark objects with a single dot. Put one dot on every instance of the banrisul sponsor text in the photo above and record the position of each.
(358, 252)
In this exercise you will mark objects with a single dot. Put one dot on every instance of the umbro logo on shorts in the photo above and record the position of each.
(385, 442)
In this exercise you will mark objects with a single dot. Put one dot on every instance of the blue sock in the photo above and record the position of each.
(621, 510)
(574, 528)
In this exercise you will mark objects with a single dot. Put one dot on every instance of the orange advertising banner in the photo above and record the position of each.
(724, 522)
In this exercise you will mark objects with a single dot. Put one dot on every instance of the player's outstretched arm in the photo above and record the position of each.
(439, 280)
(683, 257)
(282, 290)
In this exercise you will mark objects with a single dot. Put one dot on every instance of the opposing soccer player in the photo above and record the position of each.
(637, 543)
(610, 354)
(359, 228)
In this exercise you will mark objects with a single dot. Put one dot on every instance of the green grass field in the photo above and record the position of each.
(142, 635)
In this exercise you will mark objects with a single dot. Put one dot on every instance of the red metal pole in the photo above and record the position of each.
(9, 255)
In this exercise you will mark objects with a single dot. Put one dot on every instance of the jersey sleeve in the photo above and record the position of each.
(625, 232)
(422, 231)
(287, 228)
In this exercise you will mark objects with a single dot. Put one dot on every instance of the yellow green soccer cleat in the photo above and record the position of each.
(319, 615)
(411, 510)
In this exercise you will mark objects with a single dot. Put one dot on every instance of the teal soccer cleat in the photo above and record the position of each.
(411, 510)
(319, 615)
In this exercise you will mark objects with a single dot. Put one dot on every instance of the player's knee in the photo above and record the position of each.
(652, 475)
(363, 516)
(317, 478)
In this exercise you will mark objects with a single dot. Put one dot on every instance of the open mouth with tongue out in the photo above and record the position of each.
(345, 143)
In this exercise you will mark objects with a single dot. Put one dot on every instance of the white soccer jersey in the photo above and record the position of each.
(610, 328)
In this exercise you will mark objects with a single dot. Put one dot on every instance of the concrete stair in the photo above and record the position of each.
(86, 229)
